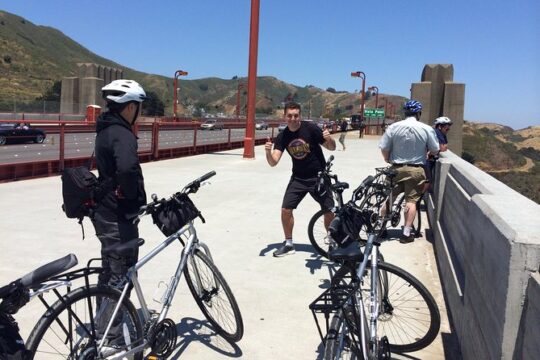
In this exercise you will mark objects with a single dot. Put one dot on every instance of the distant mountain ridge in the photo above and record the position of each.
(33, 57)
(512, 156)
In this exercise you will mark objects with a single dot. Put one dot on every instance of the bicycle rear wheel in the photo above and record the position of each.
(409, 316)
(214, 297)
(318, 234)
(70, 328)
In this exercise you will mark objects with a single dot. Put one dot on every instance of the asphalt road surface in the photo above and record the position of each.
(82, 144)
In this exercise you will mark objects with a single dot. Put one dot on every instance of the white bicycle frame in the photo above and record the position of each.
(189, 233)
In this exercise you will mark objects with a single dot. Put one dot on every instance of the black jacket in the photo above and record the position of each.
(117, 162)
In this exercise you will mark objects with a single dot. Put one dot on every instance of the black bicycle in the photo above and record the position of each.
(47, 278)
(327, 181)
(376, 307)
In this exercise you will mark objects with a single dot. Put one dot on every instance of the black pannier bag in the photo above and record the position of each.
(346, 225)
(174, 213)
(11, 343)
(78, 188)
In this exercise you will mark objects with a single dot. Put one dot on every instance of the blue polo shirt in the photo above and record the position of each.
(441, 137)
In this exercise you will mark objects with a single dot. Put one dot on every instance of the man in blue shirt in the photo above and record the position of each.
(404, 145)
(442, 126)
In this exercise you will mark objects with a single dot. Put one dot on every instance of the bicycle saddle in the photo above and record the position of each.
(351, 252)
(340, 186)
(124, 249)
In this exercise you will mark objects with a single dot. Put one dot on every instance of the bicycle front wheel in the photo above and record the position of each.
(214, 297)
(73, 327)
(408, 314)
(342, 341)
(318, 234)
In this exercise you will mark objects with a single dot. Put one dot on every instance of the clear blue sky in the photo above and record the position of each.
(494, 45)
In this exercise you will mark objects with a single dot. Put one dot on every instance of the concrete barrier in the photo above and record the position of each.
(488, 247)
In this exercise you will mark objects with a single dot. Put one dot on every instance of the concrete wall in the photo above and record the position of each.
(528, 345)
(488, 246)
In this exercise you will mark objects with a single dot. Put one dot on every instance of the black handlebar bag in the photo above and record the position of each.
(174, 213)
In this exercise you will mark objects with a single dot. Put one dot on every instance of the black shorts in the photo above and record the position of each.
(298, 188)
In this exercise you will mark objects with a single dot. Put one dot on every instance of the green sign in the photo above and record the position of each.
(378, 113)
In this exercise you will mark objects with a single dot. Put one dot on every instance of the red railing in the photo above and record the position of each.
(70, 143)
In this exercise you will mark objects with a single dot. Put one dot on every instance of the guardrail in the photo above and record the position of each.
(71, 143)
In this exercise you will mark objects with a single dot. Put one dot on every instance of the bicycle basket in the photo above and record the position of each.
(174, 213)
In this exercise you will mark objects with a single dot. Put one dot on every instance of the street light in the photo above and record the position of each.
(371, 88)
(177, 74)
(240, 86)
(362, 76)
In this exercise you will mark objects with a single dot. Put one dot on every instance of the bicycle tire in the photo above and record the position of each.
(317, 233)
(339, 343)
(206, 285)
(422, 316)
(61, 330)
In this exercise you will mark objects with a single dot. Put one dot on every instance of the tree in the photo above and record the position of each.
(153, 106)
(53, 92)
(331, 90)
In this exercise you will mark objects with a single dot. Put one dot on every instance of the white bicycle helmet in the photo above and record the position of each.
(443, 120)
(122, 91)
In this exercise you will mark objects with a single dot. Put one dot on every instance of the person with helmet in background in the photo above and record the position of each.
(118, 164)
(404, 145)
(442, 126)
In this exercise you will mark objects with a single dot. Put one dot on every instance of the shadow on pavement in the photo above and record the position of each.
(194, 330)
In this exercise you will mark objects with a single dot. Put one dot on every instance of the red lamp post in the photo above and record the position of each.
(240, 86)
(385, 107)
(362, 76)
(376, 95)
(177, 74)
(249, 139)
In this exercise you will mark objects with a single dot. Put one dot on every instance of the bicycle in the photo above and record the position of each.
(326, 181)
(379, 197)
(84, 323)
(37, 283)
(362, 310)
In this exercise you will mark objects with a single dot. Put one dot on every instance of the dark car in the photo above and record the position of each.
(20, 133)
(261, 125)
(212, 125)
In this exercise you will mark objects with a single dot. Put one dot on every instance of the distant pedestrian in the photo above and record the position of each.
(404, 145)
(303, 141)
(362, 127)
(442, 126)
(343, 128)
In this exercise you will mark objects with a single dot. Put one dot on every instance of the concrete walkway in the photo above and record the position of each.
(242, 209)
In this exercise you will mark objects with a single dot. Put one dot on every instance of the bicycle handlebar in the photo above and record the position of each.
(190, 188)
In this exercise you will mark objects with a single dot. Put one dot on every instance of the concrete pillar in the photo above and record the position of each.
(69, 98)
(106, 75)
(440, 96)
(90, 93)
(454, 107)
(422, 92)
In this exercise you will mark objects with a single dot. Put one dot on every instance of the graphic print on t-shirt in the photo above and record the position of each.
(298, 149)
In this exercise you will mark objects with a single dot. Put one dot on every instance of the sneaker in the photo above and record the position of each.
(406, 239)
(284, 250)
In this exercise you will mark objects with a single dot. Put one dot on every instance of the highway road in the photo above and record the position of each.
(82, 144)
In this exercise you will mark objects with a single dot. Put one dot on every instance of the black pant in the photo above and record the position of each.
(110, 232)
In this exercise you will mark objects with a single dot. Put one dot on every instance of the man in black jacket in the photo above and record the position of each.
(118, 165)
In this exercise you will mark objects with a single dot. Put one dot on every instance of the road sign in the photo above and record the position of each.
(378, 113)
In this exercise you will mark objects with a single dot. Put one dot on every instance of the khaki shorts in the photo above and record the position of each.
(409, 180)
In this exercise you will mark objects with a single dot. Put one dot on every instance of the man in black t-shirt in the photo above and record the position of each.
(303, 141)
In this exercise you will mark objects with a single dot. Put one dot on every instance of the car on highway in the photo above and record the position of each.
(20, 133)
(282, 127)
(261, 125)
(212, 125)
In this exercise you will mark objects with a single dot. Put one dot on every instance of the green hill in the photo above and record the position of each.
(33, 57)
(511, 156)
